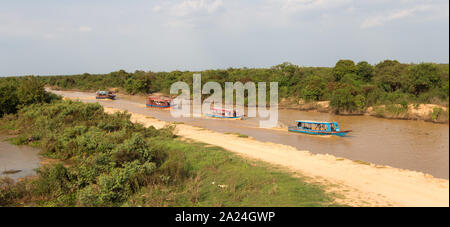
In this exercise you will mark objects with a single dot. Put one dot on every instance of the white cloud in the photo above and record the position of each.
(186, 13)
(383, 18)
(189, 7)
(293, 6)
(85, 29)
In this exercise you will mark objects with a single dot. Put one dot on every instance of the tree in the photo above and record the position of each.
(16, 93)
(314, 88)
(347, 97)
(342, 99)
(343, 67)
(389, 75)
(422, 77)
(136, 85)
(8, 99)
(364, 71)
(30, 91)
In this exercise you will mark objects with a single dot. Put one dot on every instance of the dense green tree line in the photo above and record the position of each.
(349, 86)
(19, 92)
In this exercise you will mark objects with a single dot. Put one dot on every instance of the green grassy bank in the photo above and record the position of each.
(106, 160)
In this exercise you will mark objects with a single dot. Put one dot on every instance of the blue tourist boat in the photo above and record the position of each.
(224, 114)
(318, 128)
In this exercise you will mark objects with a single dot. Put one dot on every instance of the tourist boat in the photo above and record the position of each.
(159, 102)
(105, 95)
(318, 128)
(223, 114)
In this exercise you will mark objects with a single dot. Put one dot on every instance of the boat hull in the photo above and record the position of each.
(223, 117)
(322, 133)
(100, 97)
(156, 106)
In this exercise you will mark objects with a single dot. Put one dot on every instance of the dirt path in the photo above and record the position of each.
(361, 184)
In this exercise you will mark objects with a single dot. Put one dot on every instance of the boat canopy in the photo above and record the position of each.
(315, 122)
(222, 110)
(103, 92)
(159, 99)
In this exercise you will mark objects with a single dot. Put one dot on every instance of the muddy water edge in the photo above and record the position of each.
(17, 161)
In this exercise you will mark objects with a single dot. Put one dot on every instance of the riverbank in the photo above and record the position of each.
(422, 112)
(360, 182)
(425, 112)
(414, 145)
(139, 166)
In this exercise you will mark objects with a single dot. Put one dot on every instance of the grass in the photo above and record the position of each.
(224, 179)
(392, 111)
(237, 134)
(362, 162)
(440, 115)
(401, 111)
(114, 162)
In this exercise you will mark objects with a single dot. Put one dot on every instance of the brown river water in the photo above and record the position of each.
(17, 158)
(406, 144)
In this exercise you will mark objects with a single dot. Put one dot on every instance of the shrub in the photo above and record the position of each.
(113, 166)
(440, 115)
(19, 92)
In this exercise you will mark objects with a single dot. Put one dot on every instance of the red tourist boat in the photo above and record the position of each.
(159, 102)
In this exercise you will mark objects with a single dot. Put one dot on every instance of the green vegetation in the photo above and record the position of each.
(362, 162)
(18, 92)
(350, 87)
(237, 134)
(439, 115)
(106, 160)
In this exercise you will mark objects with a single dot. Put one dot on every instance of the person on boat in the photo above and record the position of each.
(320, 127)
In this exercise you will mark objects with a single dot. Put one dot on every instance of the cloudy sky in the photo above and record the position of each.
(99, 36)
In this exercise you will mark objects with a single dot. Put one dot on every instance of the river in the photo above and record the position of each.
(406, 144)
(17, 158)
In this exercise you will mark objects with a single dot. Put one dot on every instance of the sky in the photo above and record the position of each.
(57, 37)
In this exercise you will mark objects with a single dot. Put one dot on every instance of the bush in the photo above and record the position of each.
(54, 180)
(342, 68)
(16, 93)
(440, 115)
(347, 99)
(115, 166)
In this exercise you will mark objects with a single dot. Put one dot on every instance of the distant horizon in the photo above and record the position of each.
(72, 37)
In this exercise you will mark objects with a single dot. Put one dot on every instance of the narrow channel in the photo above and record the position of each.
(407, 144)
(17, 161)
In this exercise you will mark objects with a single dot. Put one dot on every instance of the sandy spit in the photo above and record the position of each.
(360, 184)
